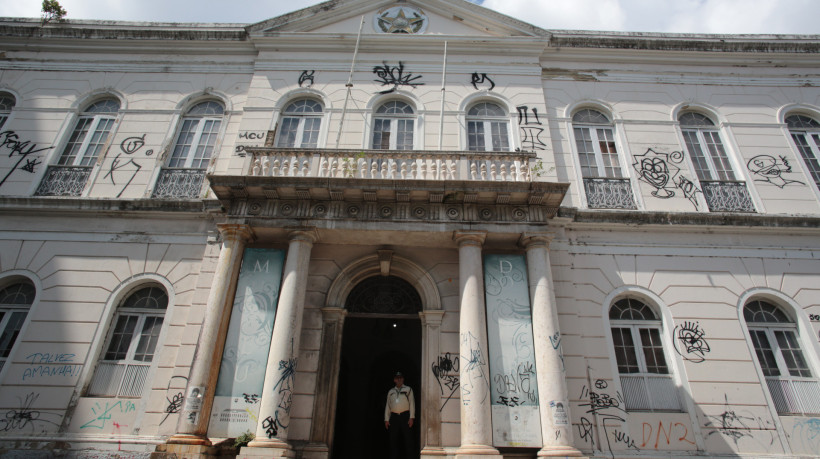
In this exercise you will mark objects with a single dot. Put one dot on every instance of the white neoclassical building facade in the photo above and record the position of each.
(570, 243)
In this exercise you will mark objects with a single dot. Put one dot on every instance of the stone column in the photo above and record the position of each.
(476, 415)
(431, 405)
(192, 426)
(327, 385)
(556, 427)
(277, 392)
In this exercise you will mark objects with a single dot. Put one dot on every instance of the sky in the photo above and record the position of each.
(678, 16)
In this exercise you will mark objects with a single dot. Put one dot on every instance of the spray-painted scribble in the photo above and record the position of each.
(690, 342)
(739, 424)
(128, 146)
(446, 374)
(604, 408)
(306, 77)
(101, 415)
(674, 434)
(530, 132)
(25, 417)
(770, 170)
(475, 370)
(11, 142)
(661, 172)
(251, 398)
(174, 397)
(481, 78)
(806, 432)
(387, 75)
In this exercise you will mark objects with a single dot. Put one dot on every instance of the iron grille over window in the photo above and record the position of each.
(384, 295)
(639, 353)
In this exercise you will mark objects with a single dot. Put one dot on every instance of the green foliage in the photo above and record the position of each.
(538, 170)
(349, 164)
(52, 11)
(244, 439)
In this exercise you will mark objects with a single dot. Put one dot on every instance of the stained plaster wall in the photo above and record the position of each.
(694, 279)
(81, 277)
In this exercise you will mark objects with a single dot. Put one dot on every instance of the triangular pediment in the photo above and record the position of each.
(420, 17)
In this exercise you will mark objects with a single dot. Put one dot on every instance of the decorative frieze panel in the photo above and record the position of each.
(390, 211)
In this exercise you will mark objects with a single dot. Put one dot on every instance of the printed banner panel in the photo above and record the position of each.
(242, 372)
(513, 385)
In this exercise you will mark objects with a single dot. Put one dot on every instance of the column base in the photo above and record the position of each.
(559, 451)
(315, 451)
(433, 451)
(273, 448)
(189, 439)
(477, 452)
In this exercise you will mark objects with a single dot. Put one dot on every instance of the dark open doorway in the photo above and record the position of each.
(377, 341)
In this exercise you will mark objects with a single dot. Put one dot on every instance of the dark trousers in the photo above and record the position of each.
(401, 441)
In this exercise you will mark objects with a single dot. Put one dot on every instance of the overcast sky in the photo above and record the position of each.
(691, 16)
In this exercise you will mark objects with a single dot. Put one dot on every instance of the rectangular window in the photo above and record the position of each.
(625, 354)
(765, 354)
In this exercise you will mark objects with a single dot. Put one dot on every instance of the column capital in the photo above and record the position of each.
(475, 238)
(431, 317)
(235, 231)
(303, 234)
(540, 240)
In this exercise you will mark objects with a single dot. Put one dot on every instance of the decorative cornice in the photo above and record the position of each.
(41, 204)
(683, 219)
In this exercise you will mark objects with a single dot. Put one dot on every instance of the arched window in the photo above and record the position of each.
(642, 364)
(488, 128)
(705, 147)
(69, 176)
(776, 342)
(595, 141)
(7, 102)
(300, 125)
(131, 344)
(193, 149)
(394, 126)
(720, 186)
(15, 301)
(805, 132)
(197, 136)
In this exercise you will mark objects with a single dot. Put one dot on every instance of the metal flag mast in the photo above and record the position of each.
(349, 84)
(441, 113)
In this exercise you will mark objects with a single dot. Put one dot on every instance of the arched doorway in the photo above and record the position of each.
(382, 335)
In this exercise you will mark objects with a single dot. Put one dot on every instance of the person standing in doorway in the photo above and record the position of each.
(399, 415)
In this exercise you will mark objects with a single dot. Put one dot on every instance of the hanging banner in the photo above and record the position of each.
(513, 386)
(244, 359)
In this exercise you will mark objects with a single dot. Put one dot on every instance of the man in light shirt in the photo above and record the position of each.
(399, 415)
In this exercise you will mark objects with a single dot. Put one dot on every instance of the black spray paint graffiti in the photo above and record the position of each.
(11, 141)
(446, 373)
(394, 76)
(175, 400)
(481, 78)
(738, 425)
(517, 387)
(770, 170)
(306, 77)
(25, 417)
(661, 172)
(270, 427)
(604, 408)
(530, 132)
(285, 386)
(690, 342)
(555, 341)
(475, 370)
(128, 147)
(251, 398)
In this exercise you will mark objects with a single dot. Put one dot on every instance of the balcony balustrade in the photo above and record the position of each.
(609, 193)
(727, 196)
(175, 182)
(395, 165)
(64, 181)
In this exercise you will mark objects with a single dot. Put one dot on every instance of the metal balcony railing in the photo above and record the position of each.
(64, 181)
(727, 196)
(609, 193)
(175, 182)
(395, 165)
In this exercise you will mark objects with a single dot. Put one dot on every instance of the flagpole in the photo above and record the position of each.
(441, 113)
(349, 84)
